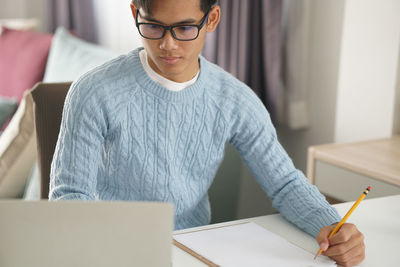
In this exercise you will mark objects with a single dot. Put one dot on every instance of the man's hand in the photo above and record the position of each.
(346, 247)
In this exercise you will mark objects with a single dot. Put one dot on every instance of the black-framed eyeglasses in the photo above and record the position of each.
(181, 32)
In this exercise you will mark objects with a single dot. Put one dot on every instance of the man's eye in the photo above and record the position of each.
(153, 26)
(185, 28)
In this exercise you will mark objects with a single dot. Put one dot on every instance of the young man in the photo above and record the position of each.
(152, 125)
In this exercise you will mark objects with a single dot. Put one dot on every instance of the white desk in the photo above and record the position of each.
(378, 219)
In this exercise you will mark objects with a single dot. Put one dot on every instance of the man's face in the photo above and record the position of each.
(173, 59)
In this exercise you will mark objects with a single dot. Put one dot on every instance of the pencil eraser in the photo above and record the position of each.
(369, 188)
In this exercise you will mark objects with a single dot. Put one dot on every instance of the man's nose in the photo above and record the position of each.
(168, 42)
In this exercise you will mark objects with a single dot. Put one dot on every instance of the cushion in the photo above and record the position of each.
(32, 190)
(23, 56)
(7, 108)
(70, 57)
(17, 150)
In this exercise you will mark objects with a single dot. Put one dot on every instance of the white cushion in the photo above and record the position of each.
(17, 150)
(70, 57)
(32, 189)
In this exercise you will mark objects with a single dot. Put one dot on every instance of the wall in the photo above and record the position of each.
(325, 31)
(11, 9)
(368, 70)
(396, 117)
(115, 25)
(353, 64)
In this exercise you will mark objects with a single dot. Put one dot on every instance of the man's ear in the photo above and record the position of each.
(213, 18)
(133, 8)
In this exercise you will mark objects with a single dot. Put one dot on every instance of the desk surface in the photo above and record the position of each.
(378, 219)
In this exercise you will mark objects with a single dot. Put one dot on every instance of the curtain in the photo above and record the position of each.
(296, 75)
(248, 44)
(75, 15)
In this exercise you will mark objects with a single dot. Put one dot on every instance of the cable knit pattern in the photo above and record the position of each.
(124, 137)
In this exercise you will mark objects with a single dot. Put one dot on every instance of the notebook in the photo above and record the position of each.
(246, 244)
(75, 233)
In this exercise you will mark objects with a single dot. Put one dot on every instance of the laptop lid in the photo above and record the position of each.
(75, 233)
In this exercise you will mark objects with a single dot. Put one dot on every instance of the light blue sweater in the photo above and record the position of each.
(124, 137)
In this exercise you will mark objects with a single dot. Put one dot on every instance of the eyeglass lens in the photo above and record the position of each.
(157, 31)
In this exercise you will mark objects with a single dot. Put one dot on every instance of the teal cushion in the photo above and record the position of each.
(8, 106)
(70, 57)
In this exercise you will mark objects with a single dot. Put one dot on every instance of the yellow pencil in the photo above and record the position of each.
(346, 216)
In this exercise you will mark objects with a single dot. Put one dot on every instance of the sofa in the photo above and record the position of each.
(27, 57)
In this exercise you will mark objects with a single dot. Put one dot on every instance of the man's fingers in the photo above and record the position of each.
(345, 248)
(347, 254)
(353, 261)
(343, 235)
(346, 232)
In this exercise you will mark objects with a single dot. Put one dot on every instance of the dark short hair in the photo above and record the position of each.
(205, 5)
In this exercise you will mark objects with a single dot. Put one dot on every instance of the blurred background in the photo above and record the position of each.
(328, 71)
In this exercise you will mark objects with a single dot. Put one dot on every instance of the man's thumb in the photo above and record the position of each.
(322, 237)
(324, 245)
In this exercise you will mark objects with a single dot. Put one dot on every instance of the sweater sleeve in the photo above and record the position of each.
(289, 190)
(76, 157)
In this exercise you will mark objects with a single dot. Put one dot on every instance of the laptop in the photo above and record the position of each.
(76, 233)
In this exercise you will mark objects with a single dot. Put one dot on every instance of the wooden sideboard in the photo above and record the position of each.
(342, 171)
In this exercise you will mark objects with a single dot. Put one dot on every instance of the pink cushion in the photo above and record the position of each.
(23, 56)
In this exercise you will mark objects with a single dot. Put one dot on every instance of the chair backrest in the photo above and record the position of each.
(49, 102)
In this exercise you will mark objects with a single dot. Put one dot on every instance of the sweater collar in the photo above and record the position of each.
(154, 88)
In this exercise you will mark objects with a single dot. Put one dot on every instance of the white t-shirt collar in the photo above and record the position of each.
(170, 85)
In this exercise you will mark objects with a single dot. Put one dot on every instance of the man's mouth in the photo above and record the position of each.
(170, 59)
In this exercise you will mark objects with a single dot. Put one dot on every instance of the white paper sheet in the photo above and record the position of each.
(249, 245)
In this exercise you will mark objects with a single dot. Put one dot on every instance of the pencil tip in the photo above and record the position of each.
(319, 252)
